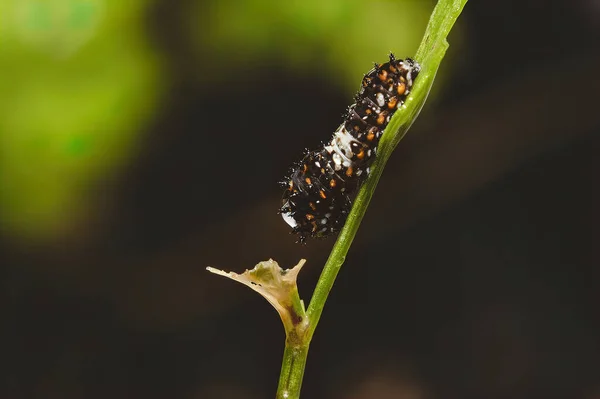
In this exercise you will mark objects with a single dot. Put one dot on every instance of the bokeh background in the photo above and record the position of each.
(141, 141)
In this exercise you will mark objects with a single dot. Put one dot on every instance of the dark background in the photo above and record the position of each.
(474, 274)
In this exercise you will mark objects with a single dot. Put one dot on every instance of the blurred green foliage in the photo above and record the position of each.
(337, 37)
(78, 77)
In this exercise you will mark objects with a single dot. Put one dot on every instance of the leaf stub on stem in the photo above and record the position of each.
(276, 285)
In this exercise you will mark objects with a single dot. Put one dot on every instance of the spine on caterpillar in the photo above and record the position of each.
(319, 189)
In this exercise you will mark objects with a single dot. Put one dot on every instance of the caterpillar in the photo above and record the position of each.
(319, 189)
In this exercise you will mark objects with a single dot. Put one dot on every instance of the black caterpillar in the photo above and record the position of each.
(320, 188)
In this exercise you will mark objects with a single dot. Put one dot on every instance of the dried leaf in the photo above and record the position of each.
(276, 285)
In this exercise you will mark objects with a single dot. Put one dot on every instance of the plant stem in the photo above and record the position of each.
(430, 54)
(292, 371)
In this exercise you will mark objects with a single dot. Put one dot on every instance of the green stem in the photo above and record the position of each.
(430, 54)
(292, 371)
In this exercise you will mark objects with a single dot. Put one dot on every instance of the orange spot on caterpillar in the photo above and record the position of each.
(401, 89)
(393, 102)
